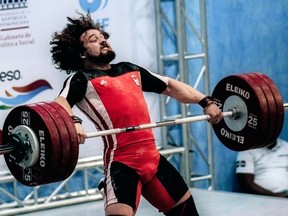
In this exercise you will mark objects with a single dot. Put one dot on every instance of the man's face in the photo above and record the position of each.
(97, 48)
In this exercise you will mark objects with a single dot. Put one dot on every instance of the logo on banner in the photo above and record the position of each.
(21, 94)
(92, 5)
(12, 4)
(14, 24)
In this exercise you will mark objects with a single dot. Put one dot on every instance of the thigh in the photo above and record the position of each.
(122, 189)
(166, 188)
(119, 209)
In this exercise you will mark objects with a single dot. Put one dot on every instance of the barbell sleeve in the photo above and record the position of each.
(6, 149)
(285, 106)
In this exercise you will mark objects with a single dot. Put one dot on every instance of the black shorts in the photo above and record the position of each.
(163, 191)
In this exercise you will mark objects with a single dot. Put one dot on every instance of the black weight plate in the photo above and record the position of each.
(47, 164)
(248, 136)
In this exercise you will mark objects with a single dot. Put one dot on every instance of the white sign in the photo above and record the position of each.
(27, 74)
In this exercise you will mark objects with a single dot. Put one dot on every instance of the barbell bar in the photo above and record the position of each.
(40, 142)
(5, 149)
(156, 124)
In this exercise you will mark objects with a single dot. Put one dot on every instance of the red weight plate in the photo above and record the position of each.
(65, 140)
(74, 145)
(279, 103)
(248, 136)
(56, 141)
(43, 171)
(273, 116)
(264, 109)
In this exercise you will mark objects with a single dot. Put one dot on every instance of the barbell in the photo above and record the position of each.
(40, 142)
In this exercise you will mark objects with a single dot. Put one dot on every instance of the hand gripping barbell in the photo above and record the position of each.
(40, 142)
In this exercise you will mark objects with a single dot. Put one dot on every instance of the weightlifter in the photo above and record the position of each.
(111, 95)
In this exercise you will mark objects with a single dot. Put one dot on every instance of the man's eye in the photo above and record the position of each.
(93, 39)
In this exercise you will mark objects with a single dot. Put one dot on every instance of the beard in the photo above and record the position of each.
(103, 58)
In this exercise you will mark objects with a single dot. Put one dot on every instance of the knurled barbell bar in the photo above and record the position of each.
(40, 142)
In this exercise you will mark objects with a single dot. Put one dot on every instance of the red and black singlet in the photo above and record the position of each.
(114, 99)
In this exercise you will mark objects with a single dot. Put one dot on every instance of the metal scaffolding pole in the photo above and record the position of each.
(179, 25)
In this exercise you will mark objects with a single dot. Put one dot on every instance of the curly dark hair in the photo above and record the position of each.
(66, 45)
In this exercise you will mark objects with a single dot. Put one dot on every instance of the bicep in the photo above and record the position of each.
(183, 92)
(64, 103)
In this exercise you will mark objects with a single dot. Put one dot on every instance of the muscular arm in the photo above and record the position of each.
(64, 103)
(182, 92)
(79, 128)
(187, 94)
(246, 182)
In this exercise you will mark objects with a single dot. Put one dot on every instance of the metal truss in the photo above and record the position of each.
(182, 25)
